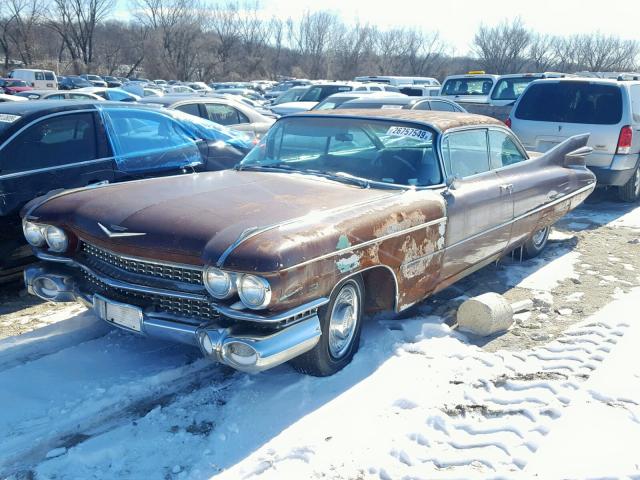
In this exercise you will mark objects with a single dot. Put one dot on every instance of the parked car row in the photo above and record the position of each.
(269, 247)
(50, 145)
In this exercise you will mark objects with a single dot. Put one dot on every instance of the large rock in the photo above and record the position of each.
(485, 315)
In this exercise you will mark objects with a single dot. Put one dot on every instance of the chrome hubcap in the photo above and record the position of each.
(539, 237)
(343, 321)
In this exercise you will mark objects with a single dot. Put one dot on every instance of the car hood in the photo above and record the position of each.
(195, 218)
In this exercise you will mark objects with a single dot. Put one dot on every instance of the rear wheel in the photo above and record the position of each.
(536, 243)
(340, 322)
(630, 191)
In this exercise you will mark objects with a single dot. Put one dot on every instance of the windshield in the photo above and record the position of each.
(16, 83)
(317, 94)
(510, 88)
(211, 131)
(364, 151)
(572, 102)
(467, 86)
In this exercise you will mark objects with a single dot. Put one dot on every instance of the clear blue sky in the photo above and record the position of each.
(458, 20)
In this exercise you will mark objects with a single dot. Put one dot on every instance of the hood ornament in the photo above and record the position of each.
(117, 231)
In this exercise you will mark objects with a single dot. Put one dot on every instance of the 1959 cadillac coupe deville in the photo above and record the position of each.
(332, 215)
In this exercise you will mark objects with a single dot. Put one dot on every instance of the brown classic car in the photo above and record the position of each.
(333, 214)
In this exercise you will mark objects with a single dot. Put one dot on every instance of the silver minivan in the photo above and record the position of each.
(550, 111)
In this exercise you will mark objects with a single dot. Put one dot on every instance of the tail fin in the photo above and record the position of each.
(571, 145)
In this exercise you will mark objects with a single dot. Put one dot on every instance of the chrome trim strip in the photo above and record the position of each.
(253, 231)
(368, 242)
(591, 186)
(277, 317)
(56, 167)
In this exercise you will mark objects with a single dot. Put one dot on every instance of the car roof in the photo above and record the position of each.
(441, 121)
(406, 100)
(605, 81)
(53, 106)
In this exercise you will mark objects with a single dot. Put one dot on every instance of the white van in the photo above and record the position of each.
(38, 79)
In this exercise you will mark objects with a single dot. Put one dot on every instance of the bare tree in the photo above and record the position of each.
(599, 53)
(311, 38)
(177, 24)
(76, 22)
(541, 53)
(25, 17)
(502, 48)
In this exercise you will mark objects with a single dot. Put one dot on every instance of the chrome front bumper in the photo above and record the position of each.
(239, 346)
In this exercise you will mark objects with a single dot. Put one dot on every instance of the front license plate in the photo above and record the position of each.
(124, 315)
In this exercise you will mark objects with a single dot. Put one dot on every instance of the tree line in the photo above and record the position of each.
(238, 40)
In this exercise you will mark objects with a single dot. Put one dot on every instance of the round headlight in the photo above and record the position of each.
(56, 239)
(218, 283)
(34, 234)
(255, 292)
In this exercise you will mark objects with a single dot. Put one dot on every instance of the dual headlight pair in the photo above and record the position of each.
(254, 291)
(39, 235)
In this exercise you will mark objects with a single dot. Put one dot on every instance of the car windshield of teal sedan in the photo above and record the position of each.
(380, 151)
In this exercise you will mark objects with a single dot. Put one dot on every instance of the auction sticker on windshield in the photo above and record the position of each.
(6, 118)
(409, 132)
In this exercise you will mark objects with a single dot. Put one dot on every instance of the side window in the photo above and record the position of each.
(422, 106)
(48, 75)
(191, 108)
(39, 76)
(224, 114)
(503, 150)
(57, 96)
(59, 140)
(442, 106)
(376, 89)
(79, 96)
(466, 154)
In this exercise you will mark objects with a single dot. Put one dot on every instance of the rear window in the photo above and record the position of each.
(49, 76)
(467, 86)
(571, 102)
(510, 88)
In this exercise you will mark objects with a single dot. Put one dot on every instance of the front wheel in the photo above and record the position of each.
(340, 322)
(536, 243)
(630, 191)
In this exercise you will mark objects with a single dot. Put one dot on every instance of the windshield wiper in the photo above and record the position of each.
(273, 168)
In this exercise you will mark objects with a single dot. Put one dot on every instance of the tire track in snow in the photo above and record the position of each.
(503, 420)
(90, 388)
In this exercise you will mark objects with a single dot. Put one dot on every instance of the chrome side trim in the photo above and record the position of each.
(57, 167)
(252, 232)
(591, 186)
(368, 242)
(304, 310)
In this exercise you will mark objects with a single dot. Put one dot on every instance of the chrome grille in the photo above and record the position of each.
(161, 303)
(95, 255)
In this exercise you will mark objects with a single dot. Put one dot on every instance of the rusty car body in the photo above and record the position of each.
(332, 214)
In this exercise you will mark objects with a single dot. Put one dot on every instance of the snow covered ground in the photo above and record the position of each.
(419, 401)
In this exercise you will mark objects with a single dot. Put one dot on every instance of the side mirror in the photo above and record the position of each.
(577, 157)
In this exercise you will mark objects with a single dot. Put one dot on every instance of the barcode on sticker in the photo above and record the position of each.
(409, 132)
